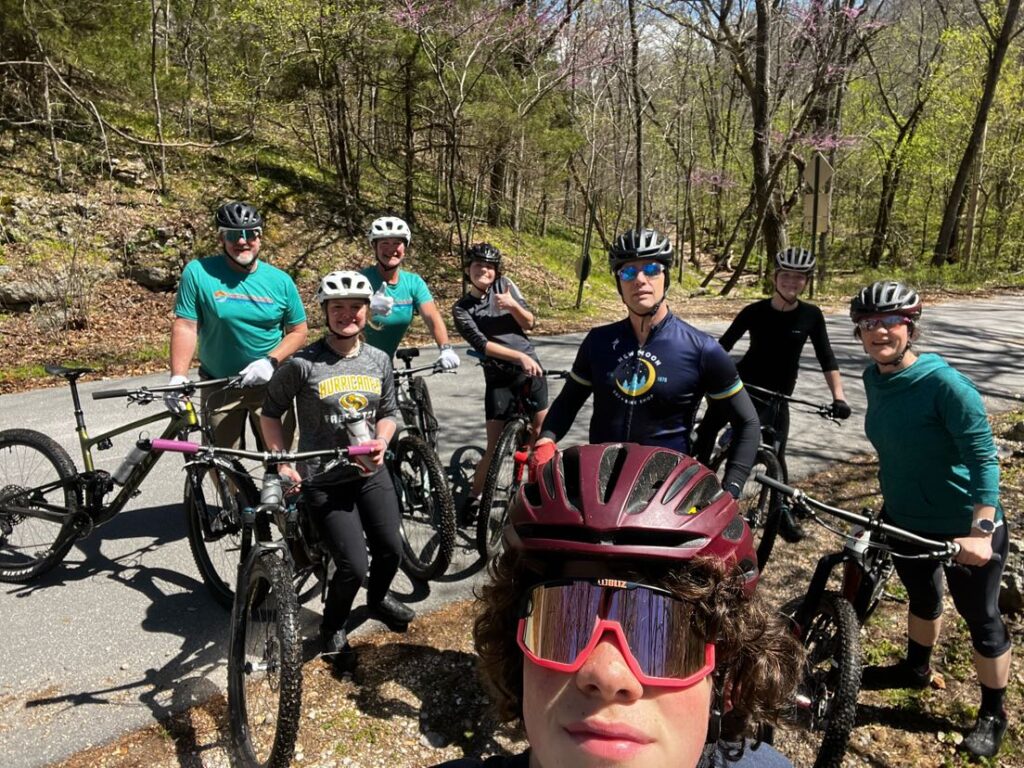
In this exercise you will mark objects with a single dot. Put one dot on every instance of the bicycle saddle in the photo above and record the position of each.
(407, 354)
(68, 373)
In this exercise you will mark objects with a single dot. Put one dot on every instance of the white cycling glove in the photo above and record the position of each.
(173, 401)
(257, 372)
(449, 358)
(380, 303)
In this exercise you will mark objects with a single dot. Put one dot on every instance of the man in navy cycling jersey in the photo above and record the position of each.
(649, 371)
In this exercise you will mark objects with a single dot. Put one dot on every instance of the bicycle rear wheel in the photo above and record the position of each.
(500, 488)
(214, 500)
(428, 513)
(265, 665)
(760, 505)
(35, 471)
(827, 698)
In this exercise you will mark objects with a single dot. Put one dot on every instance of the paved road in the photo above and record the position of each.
(123, 632)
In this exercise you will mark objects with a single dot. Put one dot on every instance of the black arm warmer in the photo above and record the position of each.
(746, 436)
(563, 411)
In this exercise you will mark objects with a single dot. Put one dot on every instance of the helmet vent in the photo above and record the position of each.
(651, 478)
(734, 530)
(679, 483)
(612, 461)
(707, 491)
(571, 478)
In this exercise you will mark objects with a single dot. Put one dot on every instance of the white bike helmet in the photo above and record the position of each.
(389, 226)
(795, 259)
(344, 285)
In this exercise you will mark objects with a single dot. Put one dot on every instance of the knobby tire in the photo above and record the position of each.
(759, 504)
(428, 512)
(831, 678)
(264, 665)
(218, 546)
(30, 546)
(500, 487)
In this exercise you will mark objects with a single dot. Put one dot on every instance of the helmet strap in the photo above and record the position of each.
(786, 302)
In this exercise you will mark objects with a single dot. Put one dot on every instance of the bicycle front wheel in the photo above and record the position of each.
(35, 473)
(827, 698)
(500, 488)
(265, 665)
(428, 513)
(760, 505)
(214, 500)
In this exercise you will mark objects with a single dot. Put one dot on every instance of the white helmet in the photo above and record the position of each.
(389, 226)
(795, 259)
(343, 285)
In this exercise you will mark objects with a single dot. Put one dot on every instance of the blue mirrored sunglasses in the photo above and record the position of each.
(629, 272)
(234, 235)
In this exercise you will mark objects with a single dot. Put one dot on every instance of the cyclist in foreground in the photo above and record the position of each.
(398, 293)
(649, 371)
(611, 640)
(356, 509)
(493, 317)
(246, 318)
(940, 478)
(779, 328)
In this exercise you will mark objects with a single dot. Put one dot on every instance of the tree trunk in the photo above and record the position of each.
(638, 111)
(970, 234)
(409, 87)
(58, 172)
(954, 203)
(158, 116)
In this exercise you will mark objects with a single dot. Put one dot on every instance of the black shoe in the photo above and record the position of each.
(789, 526)
(986, 737)
(900, 675)
(393, 614)
(337, 652)
(468, 511)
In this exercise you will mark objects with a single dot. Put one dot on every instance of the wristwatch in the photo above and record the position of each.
(984, 525)
(274, 362)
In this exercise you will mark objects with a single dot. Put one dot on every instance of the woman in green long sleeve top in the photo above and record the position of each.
(940, 478)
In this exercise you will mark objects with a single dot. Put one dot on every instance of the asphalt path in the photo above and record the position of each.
(123, 633)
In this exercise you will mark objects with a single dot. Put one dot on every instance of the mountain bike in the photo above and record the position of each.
(428, 512)
(828, 622)
(46, 504)
(761, 505)
(505, 473)
(265, 643)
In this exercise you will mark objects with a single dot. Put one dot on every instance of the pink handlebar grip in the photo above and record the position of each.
(177, 446)
(360, 450)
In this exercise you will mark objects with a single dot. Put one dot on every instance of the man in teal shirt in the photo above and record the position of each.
(399, 294)
(244, 315)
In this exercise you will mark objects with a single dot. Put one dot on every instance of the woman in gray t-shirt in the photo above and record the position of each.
(337, 374)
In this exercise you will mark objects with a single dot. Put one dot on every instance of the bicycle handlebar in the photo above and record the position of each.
(265, 457)
(482, 359)
(150, 393)
(433, 368)
(821, 409)
(944, 550)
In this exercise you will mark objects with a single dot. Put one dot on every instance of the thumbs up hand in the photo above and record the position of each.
(380, 303)
(505, 300)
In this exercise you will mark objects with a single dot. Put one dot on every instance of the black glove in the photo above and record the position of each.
(841, 409)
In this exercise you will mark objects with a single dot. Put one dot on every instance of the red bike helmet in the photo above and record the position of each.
(634, 502)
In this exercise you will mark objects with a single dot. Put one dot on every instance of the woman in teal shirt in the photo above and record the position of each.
(939, 477)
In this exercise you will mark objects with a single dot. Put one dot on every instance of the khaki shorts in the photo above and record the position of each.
(231, 408)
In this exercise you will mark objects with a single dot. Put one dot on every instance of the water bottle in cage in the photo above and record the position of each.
(132, 460)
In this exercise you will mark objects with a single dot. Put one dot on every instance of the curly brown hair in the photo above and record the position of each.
(757, 659)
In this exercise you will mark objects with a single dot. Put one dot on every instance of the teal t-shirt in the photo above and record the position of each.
(410, 293)
(241, 316)
(936, 455)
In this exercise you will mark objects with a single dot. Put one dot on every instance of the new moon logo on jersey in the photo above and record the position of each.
(635, 376)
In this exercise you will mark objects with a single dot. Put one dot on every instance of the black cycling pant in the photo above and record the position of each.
(353, 516)
(975, 592)
(717, 416)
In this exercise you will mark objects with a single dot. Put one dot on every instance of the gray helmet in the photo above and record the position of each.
(484, 252)
(795, 259)
(238, 215)
(640, 244)
(886, 297)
